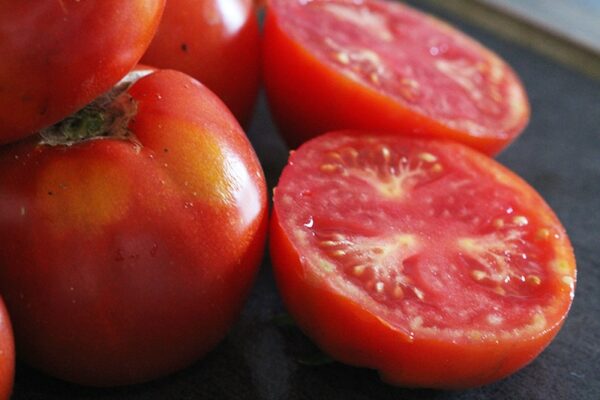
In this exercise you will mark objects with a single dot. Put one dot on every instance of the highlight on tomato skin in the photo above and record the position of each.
(420, 258)
(371, 64)
(215, 41)
(57, 56)
(7, 354)
(130, 233)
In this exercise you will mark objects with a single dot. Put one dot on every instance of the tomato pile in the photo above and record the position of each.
(133, 208)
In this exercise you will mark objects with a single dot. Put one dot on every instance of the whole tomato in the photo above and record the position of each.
(7, 354)
(130, 232)
(216, 42)
(57, 56)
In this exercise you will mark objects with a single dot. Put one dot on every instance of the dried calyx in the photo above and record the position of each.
(107, 116)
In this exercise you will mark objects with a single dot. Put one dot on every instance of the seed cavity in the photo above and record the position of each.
(378, 262)
(492, 253)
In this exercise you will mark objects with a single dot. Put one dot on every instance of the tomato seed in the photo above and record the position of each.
(520, 220)
(358, 270)
(427, 157)
(542, 234)
(328, 167)
(437, 167)
(338, 253)
(478, 275)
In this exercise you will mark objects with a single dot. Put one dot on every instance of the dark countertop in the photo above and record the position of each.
(559, 154)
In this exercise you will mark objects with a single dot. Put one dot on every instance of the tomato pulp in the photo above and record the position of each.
(58, 56)
(127, 254)
(423, 259)
(216, 42)
(7, 355)
(368, 64)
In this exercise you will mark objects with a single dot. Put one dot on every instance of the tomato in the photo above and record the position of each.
(57, 56)
(130, 233)
(216, 42)
(7, 355)
(368, 64)
(421, 258)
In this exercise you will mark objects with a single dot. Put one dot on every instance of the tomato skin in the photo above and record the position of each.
(345, 328)
(216, 42)
(60, 55)
(307, 98)
(126, 260)
(7, 354)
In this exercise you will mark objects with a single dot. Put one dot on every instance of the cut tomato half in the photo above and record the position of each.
(423, 259)
(367, 64)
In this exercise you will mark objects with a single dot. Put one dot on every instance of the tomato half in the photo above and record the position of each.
(57, 56)
(216, 42)
(7, 355)
(127, 249)
(368, 64)
(423, 259)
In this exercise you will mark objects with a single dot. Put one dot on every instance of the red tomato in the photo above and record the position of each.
(338, 64)
(127, 254)
(216, 42)
(423, 259)
(57, 56)
(7, 355)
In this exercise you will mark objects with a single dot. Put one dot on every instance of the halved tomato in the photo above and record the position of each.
(423, 259)
(368, 64)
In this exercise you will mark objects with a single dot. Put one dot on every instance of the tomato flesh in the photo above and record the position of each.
(425, 77)
(437, 241)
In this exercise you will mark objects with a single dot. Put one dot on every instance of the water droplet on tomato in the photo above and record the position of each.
(309, 223)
